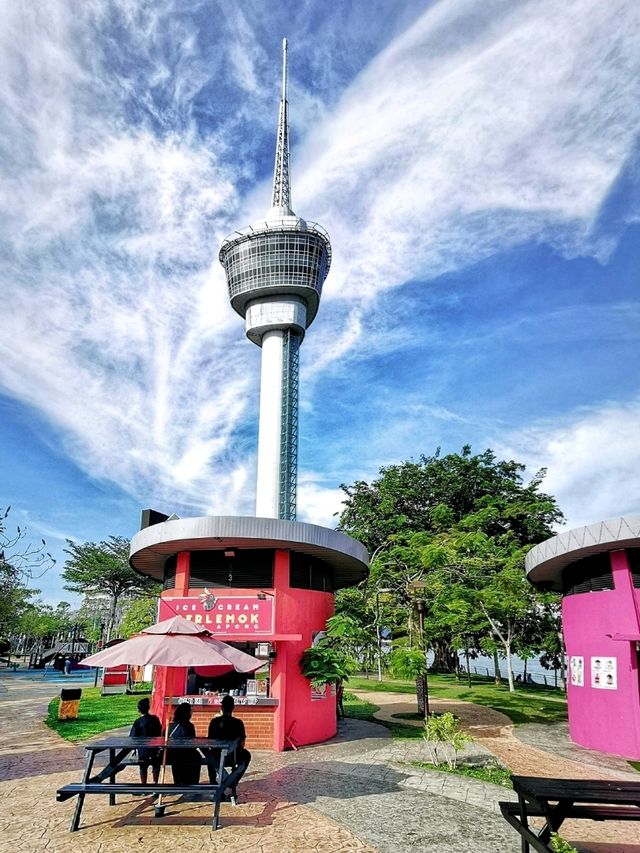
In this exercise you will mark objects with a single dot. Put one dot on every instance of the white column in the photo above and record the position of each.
(270, 426)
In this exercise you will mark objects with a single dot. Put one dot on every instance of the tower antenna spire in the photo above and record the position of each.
(281, 185)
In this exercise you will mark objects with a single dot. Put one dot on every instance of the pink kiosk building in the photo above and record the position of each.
(265, 584)
(597, 570)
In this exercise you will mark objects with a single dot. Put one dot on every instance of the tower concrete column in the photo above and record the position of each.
(270, 425)
(275, 270)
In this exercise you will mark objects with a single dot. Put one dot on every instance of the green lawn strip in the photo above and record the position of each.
(495, 775)
(634, 764)
(526, 705)
(96, 714)
(360, 709)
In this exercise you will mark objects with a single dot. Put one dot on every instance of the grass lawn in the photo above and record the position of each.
(96, 714)
(495, 775)
(537, 704)
(356, 707)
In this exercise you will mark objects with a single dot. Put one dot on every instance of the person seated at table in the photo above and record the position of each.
(185, 763)
(228, 727)
(147, 725)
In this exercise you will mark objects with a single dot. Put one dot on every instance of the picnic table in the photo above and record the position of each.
(120, 750)
(555, 800)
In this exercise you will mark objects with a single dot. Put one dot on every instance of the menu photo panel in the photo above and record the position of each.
(604, 673)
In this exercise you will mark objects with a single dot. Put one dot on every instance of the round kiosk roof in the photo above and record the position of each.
(545, 563)
(151, 547)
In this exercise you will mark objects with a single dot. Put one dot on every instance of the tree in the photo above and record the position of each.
(139, 614)
(21, 561)
(435, 493)
(102, 568)
(459, 526)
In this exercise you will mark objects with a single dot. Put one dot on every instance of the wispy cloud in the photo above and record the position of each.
(481, 127)
(592, 461)
(131, 135)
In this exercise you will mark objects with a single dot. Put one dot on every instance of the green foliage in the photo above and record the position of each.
(488, 773)
(360, 709)
(325, 664)
(407, 663)
(444, 729)
(140, 613)
(21, 561)
(102, 568)
(330, 660)
(436, 492)
(543, 705)
(454, 530)
(43, 621)
(559, 845)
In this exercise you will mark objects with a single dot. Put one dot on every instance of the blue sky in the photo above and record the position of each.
(477, 166)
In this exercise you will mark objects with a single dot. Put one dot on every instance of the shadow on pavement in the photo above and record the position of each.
(41, 762)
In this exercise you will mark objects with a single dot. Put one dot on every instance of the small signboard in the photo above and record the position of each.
(318, 693)
(604, 673)
(576, 668)
(224, 615)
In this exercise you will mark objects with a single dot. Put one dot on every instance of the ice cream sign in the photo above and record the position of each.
(224, 615)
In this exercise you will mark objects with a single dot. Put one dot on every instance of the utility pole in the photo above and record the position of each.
(421, 606)
(379, 631)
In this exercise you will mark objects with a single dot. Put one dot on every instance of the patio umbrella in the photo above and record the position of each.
(174, 643)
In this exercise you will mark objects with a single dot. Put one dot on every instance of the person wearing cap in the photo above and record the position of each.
(228, 727)
(147, 725)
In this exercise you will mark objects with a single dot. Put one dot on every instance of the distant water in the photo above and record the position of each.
(534, 667)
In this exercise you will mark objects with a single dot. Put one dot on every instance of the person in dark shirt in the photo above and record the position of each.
(228, 727)
(147, 725)
(185, 763)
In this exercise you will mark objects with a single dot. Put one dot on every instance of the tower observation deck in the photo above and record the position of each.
(275, 270)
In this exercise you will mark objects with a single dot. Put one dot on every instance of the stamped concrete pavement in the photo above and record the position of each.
(358, 792)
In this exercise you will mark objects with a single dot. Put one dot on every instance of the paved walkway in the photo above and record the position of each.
(352, 794)
(531, 750)
(359, 792)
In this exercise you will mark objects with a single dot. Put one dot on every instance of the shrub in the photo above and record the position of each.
(443, 730)
(407, 663)
(325, 664)
(559, 845)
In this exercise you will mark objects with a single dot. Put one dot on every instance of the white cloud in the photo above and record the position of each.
(317, 503)
(592, 461)
(481, 126)
(484, 125)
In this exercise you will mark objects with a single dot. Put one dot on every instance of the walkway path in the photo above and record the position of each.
(355, 793)
(530, 750)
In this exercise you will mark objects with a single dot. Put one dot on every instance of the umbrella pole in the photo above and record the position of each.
(159, 807)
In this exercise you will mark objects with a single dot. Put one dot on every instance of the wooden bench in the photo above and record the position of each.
(556, 800)
(120, 756)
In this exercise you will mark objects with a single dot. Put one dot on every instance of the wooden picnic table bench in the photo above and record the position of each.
(120, 751)
(555, 800)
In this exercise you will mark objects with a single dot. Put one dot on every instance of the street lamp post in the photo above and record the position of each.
(379, 631)
(421, 607)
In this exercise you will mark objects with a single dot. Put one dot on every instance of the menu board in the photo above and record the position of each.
(576, 668)
(604, 673)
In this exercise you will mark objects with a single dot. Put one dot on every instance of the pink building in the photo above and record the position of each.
(267, 586)
(597, 570)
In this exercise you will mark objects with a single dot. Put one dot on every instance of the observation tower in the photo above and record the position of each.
(275, 270)
(265, 585)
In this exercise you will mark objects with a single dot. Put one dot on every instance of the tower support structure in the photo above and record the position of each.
(275, 270)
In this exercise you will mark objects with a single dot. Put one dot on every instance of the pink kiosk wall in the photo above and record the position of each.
(298, 612)
(602, 636)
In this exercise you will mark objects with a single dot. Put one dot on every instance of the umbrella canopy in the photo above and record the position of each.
(176, 642)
